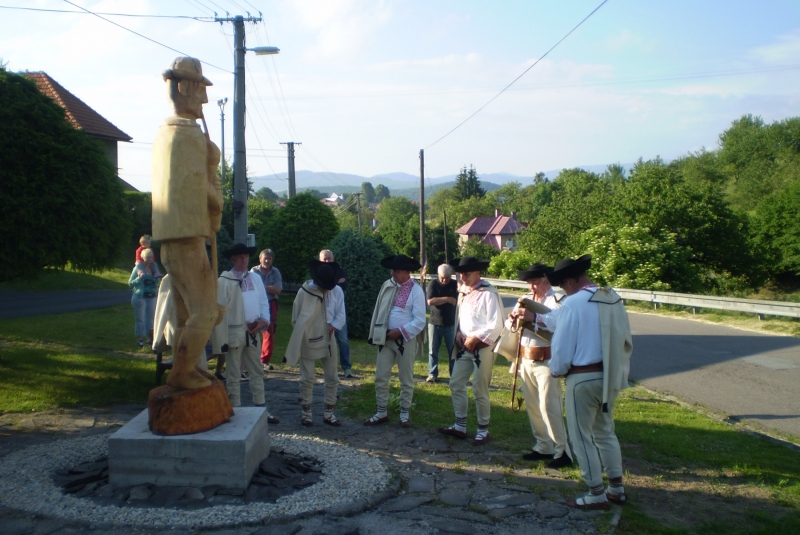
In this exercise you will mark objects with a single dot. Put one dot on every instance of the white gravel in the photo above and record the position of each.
(26, 484)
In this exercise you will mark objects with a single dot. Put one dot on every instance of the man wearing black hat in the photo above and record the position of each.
(480, 321)
(246, 317)
(317, 312)
(397, 328)
(542, 391)
(592, 346)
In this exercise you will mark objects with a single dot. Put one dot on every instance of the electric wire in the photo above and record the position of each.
(520, 76)
(143, 36)
(197, 3)
(84, 12)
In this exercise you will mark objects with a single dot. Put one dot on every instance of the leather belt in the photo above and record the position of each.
(596, 367)
(535, 353)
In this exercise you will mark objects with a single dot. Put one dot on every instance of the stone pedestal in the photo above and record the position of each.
(180, 412)
(227, 455)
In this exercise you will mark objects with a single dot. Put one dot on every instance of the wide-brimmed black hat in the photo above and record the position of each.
(569, 268)
(536, 271)
(401, 262)
(323, 274)
(468, 263)
(239, 248)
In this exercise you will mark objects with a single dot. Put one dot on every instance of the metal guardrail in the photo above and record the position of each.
(753, 306)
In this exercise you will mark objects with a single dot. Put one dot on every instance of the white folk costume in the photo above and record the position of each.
(479, 313)
(403, 307)
(245, 301)
(541, 390)
(592, 346)
(318, 303)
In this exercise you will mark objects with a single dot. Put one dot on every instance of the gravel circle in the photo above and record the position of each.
(26, 484)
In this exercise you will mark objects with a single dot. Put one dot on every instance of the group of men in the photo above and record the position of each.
(590, 344)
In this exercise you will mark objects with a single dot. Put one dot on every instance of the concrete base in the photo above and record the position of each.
(227, 455)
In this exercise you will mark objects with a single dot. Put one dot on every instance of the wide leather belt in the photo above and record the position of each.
(535, 353)
(596, 367)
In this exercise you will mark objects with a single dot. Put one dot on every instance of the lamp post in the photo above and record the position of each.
(239, 157)
(221, 103)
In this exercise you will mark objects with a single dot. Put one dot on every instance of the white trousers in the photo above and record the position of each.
(464, 368)
(594, 443)
(247, 356)
(542, 394)
(388, 356)
(308, 375)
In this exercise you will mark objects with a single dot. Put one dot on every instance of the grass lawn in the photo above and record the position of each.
(685, 472)
(61, 280)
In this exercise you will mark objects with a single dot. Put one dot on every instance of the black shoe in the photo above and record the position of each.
(562, 462)
(536, 456)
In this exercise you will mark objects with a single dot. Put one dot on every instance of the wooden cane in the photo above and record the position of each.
(214, 261)
(515, 326)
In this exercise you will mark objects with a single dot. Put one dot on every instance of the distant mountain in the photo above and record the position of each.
(397, 182)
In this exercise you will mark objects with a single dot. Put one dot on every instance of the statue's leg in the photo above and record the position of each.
(196, 286)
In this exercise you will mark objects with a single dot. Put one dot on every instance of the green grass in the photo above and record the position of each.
(63, 280)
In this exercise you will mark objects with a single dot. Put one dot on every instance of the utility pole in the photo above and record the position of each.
(240, 187)
(358, 200)
(290, 154)
(444, 221)
(221, 103)
(422, 209)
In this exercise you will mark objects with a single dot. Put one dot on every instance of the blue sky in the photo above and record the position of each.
(364, 85)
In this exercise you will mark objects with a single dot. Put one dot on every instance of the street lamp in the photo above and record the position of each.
(239, 157)
(221, 103)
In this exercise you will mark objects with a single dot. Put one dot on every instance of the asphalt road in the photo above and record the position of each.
(742, 374)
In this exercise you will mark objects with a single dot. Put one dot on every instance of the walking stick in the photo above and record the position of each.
(214, 261)
(515, 327)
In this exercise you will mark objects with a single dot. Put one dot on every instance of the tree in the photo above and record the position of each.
(298, 232)
(381, 193)
(506, 264)
(266, 194)
(398, 225)
(360, 257)
(468, 185)
(62, 201)
(368, 192)
(777, 232)
(475, 247)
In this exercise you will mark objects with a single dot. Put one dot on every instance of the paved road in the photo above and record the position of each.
(21, 304)
(742, 374)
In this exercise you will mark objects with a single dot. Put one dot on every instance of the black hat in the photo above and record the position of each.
(536, 271)
(401, 262)
(323, 274)
(237, 249)
(467, 264)
(569, 268)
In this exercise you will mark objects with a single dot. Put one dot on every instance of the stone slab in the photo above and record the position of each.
(227, 455)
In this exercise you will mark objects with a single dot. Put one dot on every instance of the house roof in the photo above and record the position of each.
(492, 225)
(79, 114)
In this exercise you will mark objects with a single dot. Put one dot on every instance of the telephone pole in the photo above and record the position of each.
(240, 188)
(422, 209)
(358, 200)
(290, 154)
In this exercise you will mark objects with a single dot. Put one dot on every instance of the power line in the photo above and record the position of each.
(142, 36)
(86, 12)
(520, 76)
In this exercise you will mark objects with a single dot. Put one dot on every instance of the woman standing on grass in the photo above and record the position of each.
(144, 281)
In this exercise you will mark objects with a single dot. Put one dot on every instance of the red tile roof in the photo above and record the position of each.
(79, 114)
(491, 225)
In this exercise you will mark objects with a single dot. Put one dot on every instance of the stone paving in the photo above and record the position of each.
(441, 485)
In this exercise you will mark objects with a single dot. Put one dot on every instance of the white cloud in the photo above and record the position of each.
(785, 50)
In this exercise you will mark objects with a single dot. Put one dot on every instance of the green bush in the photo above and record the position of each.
(507, 264)
(475, 247)
(61, 199)
(360, 257)
(297, 233)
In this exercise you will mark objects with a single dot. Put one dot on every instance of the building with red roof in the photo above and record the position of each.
(498, 231)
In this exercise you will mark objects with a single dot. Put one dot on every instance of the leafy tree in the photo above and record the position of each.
(360, 257)
(61, 200)
(506, 264)
(368, 192)
(777, 231)
(381, 193)
(634, 257)
(580, 200)
(140, 207)
(458, 212)
(475, 247)
(434, 245)
(266, 194)
(398, 225)
(539, 178)
(467, 184)
(298, 232)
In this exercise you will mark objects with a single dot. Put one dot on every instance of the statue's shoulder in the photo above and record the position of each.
(180, 121)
